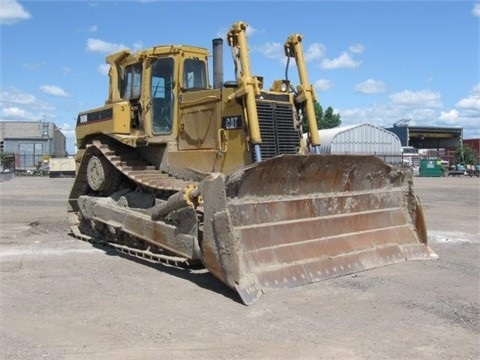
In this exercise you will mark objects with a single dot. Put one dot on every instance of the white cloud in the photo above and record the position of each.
(476, 10)
(449, 116)
(275, 50)
(251, 30)
(357, 48)
(314, 51)
(323, 85)
(424, 108)
(14, 112)
(383, 115)
(16, 97)
(34, 66)
(103, 69)
(469, 103)
(423, 99)
(100, 46)
(387, 115)
(422, 116)
(93, 28)
(476, 90)
(12, 12)
(17, 105)
(68, 130)
(272, 50)
(53, 90)
(380, 115)
(472, 102)
(138, 45)
(343, 61)
(371, 86)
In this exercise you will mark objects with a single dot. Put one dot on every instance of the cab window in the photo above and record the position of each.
(132, 82)
(194, 74)
(162, 95)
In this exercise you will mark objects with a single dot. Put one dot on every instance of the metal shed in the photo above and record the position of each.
(362, 139)
(428, 137)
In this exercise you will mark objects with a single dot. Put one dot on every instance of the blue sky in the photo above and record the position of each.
(372, 61)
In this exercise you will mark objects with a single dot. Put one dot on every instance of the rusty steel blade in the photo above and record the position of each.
(294, 220)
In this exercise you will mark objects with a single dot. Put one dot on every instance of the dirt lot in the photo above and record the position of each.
(65, 299)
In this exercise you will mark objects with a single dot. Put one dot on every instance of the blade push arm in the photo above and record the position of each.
(306, 94)
(248, 85)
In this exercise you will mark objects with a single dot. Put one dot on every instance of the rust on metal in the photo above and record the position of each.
(300, 219)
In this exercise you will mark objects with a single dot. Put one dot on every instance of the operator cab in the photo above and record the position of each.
(169, 76)
(162, 90)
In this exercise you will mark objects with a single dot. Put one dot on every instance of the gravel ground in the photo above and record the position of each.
(62, 298)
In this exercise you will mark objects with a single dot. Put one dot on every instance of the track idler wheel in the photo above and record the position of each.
(101, 175)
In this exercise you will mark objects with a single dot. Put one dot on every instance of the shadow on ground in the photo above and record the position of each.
(196, 274)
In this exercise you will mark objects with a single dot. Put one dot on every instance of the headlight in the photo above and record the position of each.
(280, 86)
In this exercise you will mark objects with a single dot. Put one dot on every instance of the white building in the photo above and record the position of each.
(363, 139)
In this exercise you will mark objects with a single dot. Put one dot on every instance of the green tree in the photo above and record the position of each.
(325, 119)
(3, 156)
(464, 154)
(329, 120)
(318, 112)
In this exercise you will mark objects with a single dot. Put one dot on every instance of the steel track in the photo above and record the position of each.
(132, 166)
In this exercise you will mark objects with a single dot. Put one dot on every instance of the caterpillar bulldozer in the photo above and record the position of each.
(175, 170)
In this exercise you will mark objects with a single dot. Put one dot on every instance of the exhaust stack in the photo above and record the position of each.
(217, 63)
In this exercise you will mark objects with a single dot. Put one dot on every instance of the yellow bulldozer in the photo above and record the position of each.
(177, 170)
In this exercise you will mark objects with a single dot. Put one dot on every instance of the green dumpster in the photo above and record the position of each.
(431, 167)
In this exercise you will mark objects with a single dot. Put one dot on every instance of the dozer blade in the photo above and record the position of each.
(297, 219)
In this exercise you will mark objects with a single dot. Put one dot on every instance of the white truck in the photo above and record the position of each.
(62, 167)
(410, 156)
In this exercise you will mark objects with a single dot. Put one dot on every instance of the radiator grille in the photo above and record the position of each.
(277, 129)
